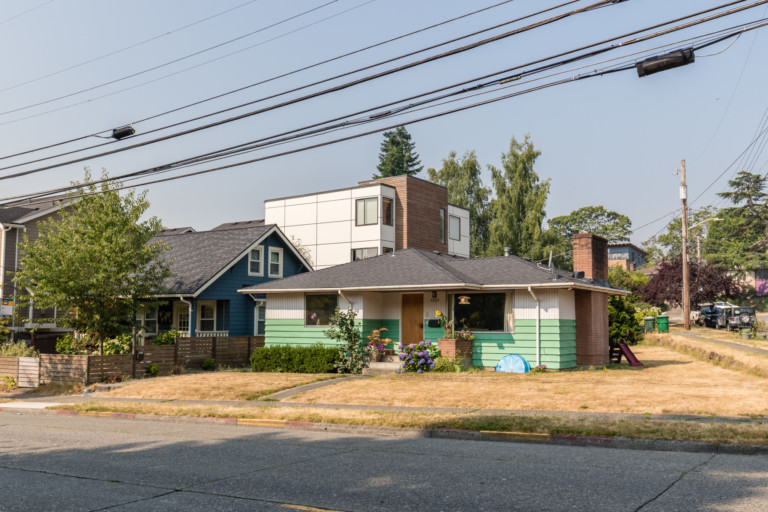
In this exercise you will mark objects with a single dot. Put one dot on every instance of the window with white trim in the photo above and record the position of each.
(206, 315)
(259, 319)
(147, 320)
(275, 262)
(363, 253)
(387, 211)
(367, 211)
(181, 316)
(454, 227)
(256, 262)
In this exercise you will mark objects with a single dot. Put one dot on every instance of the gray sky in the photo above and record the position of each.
(613, 140)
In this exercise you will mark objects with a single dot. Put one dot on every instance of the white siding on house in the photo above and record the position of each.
(567, 305)
(525, 306)
(285, 306)
(459, 247)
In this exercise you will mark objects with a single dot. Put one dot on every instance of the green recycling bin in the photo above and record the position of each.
(662, 321)
(650, 324)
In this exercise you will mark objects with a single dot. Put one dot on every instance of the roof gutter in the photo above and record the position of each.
(538, 326)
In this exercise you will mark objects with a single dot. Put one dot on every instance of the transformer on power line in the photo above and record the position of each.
(664, 62)
(123, 131)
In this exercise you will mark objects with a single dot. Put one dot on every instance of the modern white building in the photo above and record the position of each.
(373, 218)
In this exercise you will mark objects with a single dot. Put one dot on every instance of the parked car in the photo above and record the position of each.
(740, 317)
(708, 315)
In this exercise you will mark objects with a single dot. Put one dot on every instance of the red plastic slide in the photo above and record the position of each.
(629, 355)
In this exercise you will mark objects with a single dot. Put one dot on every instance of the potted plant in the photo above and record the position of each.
(377, 345)
(454, 344)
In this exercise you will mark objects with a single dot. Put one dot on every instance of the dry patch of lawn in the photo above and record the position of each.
(723, 335)
(670, 382)
(595, 426)
(216, 386)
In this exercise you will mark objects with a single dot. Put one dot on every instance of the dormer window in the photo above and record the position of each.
(256, 262)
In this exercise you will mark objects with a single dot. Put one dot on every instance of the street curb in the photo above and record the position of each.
(622, 443)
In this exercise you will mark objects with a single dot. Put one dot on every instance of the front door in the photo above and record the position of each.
(413, 318)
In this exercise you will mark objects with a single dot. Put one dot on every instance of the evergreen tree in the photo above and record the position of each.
(398, 155)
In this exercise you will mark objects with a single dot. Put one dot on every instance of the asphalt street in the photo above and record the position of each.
(50, 462)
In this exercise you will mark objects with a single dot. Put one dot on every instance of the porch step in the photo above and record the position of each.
(381, 368)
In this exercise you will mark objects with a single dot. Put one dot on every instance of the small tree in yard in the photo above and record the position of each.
(353, 351)
(95, 261)
(707, 283)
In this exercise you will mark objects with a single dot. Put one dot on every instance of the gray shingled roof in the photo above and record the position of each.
(415, 268)
(197, 257)
(12, 212)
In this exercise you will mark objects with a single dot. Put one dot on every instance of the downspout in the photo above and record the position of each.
(538, 326)
(181, 299)
(341, 293)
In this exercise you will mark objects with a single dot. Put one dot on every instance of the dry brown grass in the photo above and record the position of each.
(215, 386)
(552, 424)
(670, 382)
(722, 335)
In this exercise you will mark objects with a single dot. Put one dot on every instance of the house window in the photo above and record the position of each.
(366, 211)
(366, 252)
(259, 319)
(485, 312)
(761, 275)
(147, 320)
(386, 250)
(319, 309)
(206, 315)
(442, 226)
(387, 211)
(181, 316)
(454, 227)
(275, 262)
(256, 262)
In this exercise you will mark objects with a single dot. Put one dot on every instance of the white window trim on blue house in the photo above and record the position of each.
(279, 252)
(259, 249)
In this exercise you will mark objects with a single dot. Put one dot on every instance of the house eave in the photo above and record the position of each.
(454, 286)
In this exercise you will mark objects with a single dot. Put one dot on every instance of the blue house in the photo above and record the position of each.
(208, 267)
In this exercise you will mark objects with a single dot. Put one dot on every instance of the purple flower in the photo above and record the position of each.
(421, 343)
(399, 347)
(421, 361)
(432, 366)
(401, 356)
(428, 343)
(419, 371)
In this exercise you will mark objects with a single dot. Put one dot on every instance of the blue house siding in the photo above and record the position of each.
(235, 310)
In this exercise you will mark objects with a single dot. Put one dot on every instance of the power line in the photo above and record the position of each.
(125, 48)
(412, 64)
(6, 20)
(306, 97)
(168, 63)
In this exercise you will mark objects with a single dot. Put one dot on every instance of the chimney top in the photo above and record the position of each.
(590, 255)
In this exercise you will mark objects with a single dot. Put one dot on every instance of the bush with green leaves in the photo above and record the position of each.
(120, 345)
(17, 349)
(10, 382)
(622, 324)
(85, 344)
(152, 370)
(353, 351)
(166, 338)
(209, 364)
(295, 359)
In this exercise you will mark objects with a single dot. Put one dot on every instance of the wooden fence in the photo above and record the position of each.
(187, 352)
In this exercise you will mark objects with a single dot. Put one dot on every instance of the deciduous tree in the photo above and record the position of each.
(463, 179)
(707, 283)
(517, 211)
(94, 262)
(596, 220)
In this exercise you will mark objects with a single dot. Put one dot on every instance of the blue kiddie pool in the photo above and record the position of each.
(513, 363)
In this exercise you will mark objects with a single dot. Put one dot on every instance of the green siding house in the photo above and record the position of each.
(511, 305)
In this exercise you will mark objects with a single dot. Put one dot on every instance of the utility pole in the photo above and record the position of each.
(686, 290)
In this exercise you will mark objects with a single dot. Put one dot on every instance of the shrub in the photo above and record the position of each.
(114, 378)
(72, 346)
(178, 369)
(10, 382)
(117, 346)
(444, 364)
(353, 352)
(166, 338)
(17, 349)
(286, 358)
(622, 324)
(209, 364)
(152, 370)
(417, 357)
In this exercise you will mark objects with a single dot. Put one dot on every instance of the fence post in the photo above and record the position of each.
(176, 351)
(248, 352)
(133, 353)
(87, 371)
(213, 348)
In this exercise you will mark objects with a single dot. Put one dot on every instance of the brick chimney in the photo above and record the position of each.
(590, 255)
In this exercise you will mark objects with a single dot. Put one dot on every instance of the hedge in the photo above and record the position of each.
(292, 359)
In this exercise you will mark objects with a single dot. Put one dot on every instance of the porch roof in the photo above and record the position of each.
(413, 269)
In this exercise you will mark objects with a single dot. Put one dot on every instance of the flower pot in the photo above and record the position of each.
(458, 368)
(453, 348)
(375, 356)
(745, 335)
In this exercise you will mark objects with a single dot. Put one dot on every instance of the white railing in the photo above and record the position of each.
(205, 334)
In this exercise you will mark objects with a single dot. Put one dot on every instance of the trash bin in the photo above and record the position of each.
(650, 324)
(662, 322)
